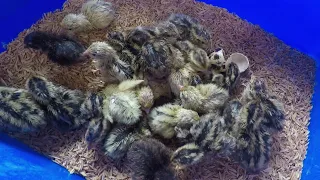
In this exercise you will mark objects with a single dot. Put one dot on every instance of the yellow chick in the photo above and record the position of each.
(163, 119)
(95, 14)
(203, 98)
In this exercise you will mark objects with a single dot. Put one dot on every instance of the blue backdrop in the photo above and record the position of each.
(295, 22)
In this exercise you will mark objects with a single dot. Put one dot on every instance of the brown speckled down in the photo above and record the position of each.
(289, 74)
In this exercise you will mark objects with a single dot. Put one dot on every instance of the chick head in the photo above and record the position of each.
(35, 40)
(116, 40)
(41, 89)
(146, 98)
(184, 23)
(199, 60)
(217, 60)
(200, 36)
(75, 23)
(187, 155)
(96, 131)
(138, 36)
(101, 51)
(186, 119)
(256, 89)
(168, 31)
(155, 56)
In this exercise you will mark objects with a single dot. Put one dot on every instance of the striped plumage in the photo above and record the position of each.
(63, 105)
(19, 112)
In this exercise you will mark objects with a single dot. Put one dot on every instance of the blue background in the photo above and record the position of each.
(295, 22)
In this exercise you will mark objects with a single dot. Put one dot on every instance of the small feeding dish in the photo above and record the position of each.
(239, 59)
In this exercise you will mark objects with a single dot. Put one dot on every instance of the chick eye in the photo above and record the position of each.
(94, 54)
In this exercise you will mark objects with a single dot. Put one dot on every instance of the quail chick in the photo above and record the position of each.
(123, 102)
(232, 76)
(149, 159)
(63, 105)
(95, 14)
(19, 112)
(60, 48)
(124, 108)
(116, 40)
(254, 144)
(168, 31)
(253, 140)
(164, 119)
(99, 126)
(119, 140)
(273, 110)
(155, 59)
(190, 29)
(183, 77)
(203, 98)
(254, 151)
(198, 60)
(137, 37)
(76, 23)
(209, 135)
(108, 62)
(97, 130)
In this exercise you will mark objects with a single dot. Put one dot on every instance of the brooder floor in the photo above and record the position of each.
(289, 74)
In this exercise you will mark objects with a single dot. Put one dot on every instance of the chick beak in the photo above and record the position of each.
(181, 88)
(86, 54)
(147, 110)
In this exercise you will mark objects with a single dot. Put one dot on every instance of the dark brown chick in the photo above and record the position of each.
(19, 112)
(120, 138)
(63, 105)
(60, 48)
(149, 159)
(137, 37)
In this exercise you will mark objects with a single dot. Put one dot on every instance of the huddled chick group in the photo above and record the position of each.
(147, 65)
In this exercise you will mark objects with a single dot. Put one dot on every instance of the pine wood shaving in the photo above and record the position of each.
(289, 73)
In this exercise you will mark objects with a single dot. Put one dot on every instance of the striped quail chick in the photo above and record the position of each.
(19, 112)
(209, 135)
(190, 29)
(273, 118)
(63, 105)
(120, 138)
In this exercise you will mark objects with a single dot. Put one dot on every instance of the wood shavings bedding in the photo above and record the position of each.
(289, 74)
